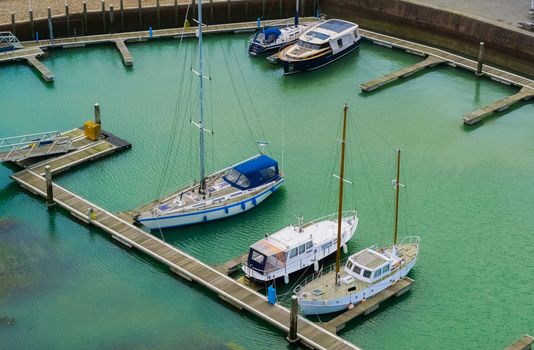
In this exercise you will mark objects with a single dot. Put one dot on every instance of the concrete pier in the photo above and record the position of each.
(430, 61)
(127, 58)
(525, 93)
(45, 72)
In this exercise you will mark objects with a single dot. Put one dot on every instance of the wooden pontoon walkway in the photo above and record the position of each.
(458, 61)
(370, 305)
(179, 262)
(405, 72)
(524, 343)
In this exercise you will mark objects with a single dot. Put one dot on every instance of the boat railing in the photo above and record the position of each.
(331, 217)
(322, 271)
(413, 239)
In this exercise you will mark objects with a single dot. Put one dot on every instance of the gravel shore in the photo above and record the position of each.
(510, 11)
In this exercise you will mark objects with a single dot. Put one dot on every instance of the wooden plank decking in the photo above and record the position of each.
(405, 72)
(127, 58)
(45, 72)
(524, 343)
(370, 305)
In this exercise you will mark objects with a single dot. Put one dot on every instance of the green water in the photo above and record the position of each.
(468, 196)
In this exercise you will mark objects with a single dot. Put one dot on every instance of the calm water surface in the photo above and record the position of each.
(467, 195)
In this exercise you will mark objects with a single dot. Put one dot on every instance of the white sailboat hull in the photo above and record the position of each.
(319, 307)
(215, 213)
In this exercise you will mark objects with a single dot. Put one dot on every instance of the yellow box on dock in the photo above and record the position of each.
(92, 130)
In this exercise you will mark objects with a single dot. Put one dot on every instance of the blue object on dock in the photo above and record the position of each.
(150, 32)
(259, 22)
(271, 295)
(318, 14)
(37, 36)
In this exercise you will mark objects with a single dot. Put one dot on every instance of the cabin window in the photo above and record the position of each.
(309, 245)
(385, 269)
(268, 173)
(243, 181)
(302, 248)
(349, 265)
(233, 175)
(366, 273)
(257, 257)
(293, 253)
(378, 273)
(340, 42)
(356, 269)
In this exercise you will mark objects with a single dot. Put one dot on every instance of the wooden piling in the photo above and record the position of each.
(13, 24)
(31, 24)
(49, 187)
(302, 8)
(140, 11)
(158, 22)
(480, 58)
(85, 30)
(211, 11)
(262, 9)
(280, 8)
(292, 335)
(111, 18)
(122, 14)
(98, 120)
(229, 13)
(194, 8)
(67, 15)
(246, 10)
(103, 10)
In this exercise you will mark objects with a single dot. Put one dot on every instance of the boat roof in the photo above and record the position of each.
(329, 29)
(256, 164)
(292, 236)
(256, 171)
(369, 258)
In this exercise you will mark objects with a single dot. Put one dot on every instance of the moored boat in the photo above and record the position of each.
(321, 45)
(365, 274)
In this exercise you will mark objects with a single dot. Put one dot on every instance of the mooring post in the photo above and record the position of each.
(122, 15)
(229, 13)
(293, 317)
(97, 114)
(31, 24)
(157, 15)
(85, 30)
(480, 58)
(194, 8)
(67, 14)
(50, 26)
(280, 7)
(246, 10)
(176, 13)
(13, 24)
(140, 10)
(111, 18)
(262, 8)
(302, 8)
(49, 187)
(103, 10)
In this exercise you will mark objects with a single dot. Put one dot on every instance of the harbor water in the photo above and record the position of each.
(467, 195)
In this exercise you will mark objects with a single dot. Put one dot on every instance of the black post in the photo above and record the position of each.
(13, 24)
(67, 14)
(85, 27)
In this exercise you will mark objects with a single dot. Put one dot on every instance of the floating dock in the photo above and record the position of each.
(524, 343)
(498, 75)
(370, 305)
(525, 93)
(233, 265)
(45, 72)
(430, 61)
(235, 293)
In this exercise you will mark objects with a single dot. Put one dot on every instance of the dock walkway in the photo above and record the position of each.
(184, 265)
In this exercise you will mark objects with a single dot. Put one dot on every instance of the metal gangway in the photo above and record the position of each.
(17, 148)
(8, 41)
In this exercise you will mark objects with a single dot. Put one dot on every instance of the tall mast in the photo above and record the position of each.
(397, 185)
(341, 181)
(201, 92)
(297, 10)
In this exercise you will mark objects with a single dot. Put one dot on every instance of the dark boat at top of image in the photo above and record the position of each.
(321, 45)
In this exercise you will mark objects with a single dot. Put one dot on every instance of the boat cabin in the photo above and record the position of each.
(334, 33)
(367, 265)
(267, 35)
(253, 173)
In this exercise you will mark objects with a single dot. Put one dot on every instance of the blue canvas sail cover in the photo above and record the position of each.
(253, 173)
(272, 31)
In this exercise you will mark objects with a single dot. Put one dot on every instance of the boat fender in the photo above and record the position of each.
(286, 279)
(254, 201)
(345, 249)
(226, 210)
(316, 266)
(350, 307)
(363, 300)
(243, 205)
(205, 218)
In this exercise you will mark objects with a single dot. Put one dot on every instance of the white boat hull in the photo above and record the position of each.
(319, 307)
(210, 214)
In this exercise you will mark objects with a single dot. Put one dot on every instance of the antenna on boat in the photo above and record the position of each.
(341, 182)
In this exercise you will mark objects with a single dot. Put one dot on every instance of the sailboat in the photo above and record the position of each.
(271, 39)
(365, 274)
(227, 192)
(295, 248)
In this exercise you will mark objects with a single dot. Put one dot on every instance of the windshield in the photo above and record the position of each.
(308, 45)
(233, 175)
